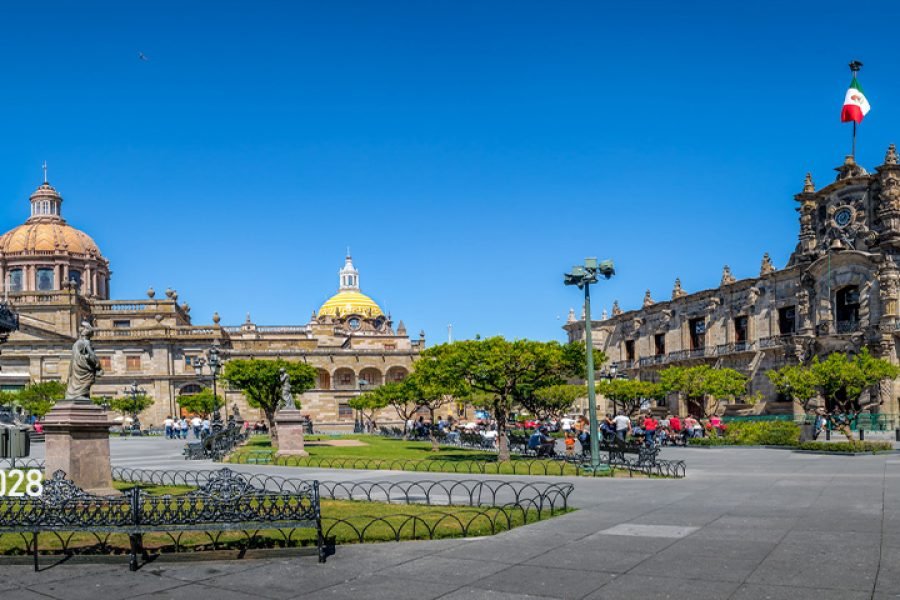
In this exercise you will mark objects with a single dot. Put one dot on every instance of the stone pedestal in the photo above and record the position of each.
(291, 426)
(77, 441)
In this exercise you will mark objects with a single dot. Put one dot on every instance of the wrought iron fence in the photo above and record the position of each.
(225, 501)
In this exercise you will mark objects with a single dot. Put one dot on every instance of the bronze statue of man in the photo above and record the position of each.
(84, 368)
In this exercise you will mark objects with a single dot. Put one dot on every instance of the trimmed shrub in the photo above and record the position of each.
(763, 433)
(856, 446)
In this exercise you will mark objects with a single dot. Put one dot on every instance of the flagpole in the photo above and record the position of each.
(854, 69)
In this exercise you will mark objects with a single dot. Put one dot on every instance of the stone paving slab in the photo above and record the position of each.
(770, 524)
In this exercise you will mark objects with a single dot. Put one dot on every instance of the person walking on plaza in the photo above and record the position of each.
(169, 425)
(183, 428)
(196, 424)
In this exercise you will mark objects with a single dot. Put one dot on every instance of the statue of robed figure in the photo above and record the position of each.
(84, 368)
(287, 398)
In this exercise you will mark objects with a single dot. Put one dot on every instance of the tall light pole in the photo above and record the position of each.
(583, 277)
(214, 362)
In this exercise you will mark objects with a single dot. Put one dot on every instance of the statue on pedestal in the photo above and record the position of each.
(84, 368)
(287, 398)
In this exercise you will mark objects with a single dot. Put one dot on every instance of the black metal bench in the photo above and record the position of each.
(215, 446)
(225, 502)
(617, 451)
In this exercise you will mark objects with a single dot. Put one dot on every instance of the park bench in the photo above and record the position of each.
(225, 502)
(215, 446)
(618, 451)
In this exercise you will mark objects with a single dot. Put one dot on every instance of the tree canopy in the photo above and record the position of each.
(38, 398)
(201, 403)
(698, 383)
(509, 372)
(627, 394)
(259, 381)
(127, 405)
(839, 379)
(554, 400)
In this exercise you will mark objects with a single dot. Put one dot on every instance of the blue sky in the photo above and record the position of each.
(468, 152)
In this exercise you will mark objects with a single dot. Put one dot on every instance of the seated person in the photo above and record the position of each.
(541, 443)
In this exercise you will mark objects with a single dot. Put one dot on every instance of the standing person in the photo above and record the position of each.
(570, 444)
(566, 424)
(650, 427)
(169, 424)
(675, 425)
(196, 424)
(623, 426)
(689, 422)
(820, 425)
(183, 428)
(205, 427)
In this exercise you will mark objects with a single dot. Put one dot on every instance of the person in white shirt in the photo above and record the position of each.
(196, 424)
(566, 424)
(169, 424)
(623, 426)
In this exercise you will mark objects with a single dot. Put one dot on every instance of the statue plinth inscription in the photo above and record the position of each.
(77, 431)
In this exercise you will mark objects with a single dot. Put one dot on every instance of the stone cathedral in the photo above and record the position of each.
(838, 292)
(55, 277)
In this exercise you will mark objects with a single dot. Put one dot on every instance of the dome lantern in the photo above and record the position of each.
(350, 300)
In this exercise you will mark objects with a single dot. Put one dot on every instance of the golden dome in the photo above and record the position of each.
(348, 302)
(47, 236)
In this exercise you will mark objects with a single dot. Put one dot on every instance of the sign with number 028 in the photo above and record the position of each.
(17, 483)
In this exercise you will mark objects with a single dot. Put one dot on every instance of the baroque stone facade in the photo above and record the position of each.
(838, 292)
(55, 278)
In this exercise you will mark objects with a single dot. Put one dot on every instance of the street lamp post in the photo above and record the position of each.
(214, 362)
(583, 277)
(134, 391)
(358, 426)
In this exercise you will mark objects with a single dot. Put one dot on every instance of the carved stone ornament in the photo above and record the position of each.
(616, 311)
(677, 291)
(766, 268)
(808, 186)
(890, 157)
(727, 277)
(648, 300)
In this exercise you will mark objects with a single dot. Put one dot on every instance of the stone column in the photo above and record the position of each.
(291, 425)
(77, 442)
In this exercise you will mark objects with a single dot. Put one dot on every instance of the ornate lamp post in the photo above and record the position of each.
(583, 277)
(134, 390)
(214, 362)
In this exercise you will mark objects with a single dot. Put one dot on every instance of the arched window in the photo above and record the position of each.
(189, 389)
(45, 281)
(846, 309)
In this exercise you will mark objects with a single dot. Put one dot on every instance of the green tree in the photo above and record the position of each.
(126, 405)
(369, 402)
(704, 387)
(627, 394)
(202, 403)
(507, 371)
(796, 382)
(38, 398)
(258, 380)
(554, 400)
(430, 395)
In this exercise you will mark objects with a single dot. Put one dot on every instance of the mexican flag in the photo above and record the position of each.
(855, 104)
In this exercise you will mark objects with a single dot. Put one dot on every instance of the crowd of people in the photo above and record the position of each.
(200, 427)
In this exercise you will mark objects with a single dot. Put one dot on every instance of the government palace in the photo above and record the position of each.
(55, 278)
(838, 292)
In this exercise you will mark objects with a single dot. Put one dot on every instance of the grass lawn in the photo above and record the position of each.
(346, 521)
(382, 453)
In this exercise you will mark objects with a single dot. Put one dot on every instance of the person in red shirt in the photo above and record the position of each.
(650, 426)
(675, 425)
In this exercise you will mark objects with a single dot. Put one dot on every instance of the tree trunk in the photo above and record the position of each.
(431, 436)
(273, 431)
(502, 441)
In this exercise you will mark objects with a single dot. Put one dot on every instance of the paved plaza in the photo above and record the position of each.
(745, 524)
